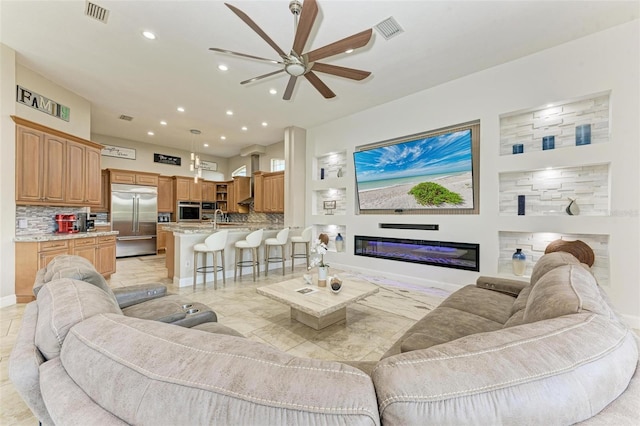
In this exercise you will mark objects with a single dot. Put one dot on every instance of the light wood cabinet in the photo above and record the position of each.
(269, 192)
(222, 196)
(241, 191)
(208, 191)
(55, 168)
(185, 189)
(106, 255)
(83, 177)
(105, 196)
(32, 256)
(131, 177)
(165, 195)
(40, 167)
(232, 207)
(161, 240)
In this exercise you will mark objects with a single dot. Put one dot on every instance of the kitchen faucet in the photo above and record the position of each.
(215, 217)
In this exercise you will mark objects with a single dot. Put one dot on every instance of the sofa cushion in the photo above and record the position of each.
(568, 289)
(62, 304)
(489, 304)
(63, 261)
(216, 327)
(81, 272)
(558, 371)
(173, 375)
(172, 309)
(549, 262)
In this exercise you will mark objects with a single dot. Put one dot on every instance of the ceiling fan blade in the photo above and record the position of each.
(244, 55)
(319, 85)
(256, 28)
(260, 77)
(352, 42)
(307, 18)
(289, 90)
(352, 73)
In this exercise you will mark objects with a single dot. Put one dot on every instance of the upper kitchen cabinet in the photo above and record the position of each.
(165, 194)
(105, 197)
(185, 189)
(131, 177)
(208, 191)
(241, 191)
(269, 192)
(55, 168)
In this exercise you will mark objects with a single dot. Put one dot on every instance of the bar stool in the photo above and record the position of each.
(214, 244)
(279, 241)
(304, 238)
(252, 242)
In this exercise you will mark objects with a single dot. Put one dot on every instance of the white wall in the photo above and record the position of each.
(7, 175)
(79, 123)
(144, 159)
(608, 60)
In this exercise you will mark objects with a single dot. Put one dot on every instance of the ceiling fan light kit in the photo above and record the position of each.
(296, 63)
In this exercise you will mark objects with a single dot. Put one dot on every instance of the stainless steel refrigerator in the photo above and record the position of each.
(134, 214)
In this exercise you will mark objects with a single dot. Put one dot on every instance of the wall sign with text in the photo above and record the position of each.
(167, 159)
(40, 103)
(119, 152)
(209, 165)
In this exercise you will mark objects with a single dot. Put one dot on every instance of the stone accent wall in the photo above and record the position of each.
(533, 245)
(529, 127)
(547, 192)
(339, 195)
(333, 164)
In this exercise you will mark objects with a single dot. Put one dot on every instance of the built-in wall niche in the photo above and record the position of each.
(331, 166)
(331, 201)
(332, 231)
(557, 125)
(533, 245)
(551, 191)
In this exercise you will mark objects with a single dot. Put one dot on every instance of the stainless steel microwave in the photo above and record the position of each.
(208, 206)
(189, 211)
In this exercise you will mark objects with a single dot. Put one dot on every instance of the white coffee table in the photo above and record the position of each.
(320, 308)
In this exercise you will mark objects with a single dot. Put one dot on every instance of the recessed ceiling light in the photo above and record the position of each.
(244, 128)
(164, 123)
(229, 112)
(206, 145)
(223, 67)
(180, 109)
(348, 51)
(264, 124)
(223, 137)
(150, 133)
(149, 35)
(273, 91)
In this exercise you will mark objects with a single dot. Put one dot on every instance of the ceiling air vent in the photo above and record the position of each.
(96, 12)
(389, 28)
(125, 117)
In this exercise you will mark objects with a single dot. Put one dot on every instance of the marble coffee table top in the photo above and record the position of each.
(321, 301)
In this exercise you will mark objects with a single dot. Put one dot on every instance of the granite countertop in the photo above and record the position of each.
(207, 227)
(55, 237)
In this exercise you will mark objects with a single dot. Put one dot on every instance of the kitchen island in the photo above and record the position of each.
(183, 236)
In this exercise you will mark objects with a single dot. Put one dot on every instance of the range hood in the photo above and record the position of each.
(254, 167)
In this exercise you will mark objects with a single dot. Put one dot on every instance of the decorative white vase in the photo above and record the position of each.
(323, 272)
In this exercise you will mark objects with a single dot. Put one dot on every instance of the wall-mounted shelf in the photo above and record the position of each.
(330, 166)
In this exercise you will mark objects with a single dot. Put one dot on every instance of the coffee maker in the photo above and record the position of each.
(85, 222)
(66, 223)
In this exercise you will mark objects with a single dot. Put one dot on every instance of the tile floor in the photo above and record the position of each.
(372, 324)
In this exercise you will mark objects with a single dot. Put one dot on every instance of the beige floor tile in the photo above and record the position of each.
(371, 327)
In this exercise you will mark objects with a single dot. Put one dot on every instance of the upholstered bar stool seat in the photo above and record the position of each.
(304, 238)
(279, 241)
(214, 244)
(252, 242)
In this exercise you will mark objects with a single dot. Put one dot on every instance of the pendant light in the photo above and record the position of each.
(194, 166)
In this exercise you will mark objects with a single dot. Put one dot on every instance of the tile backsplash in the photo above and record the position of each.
(40, 220)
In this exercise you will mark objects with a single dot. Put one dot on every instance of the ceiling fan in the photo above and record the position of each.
(298, 64)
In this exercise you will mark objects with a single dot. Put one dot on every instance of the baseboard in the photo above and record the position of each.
(8, 301)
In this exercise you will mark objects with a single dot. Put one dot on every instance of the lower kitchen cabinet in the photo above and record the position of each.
(32, 256)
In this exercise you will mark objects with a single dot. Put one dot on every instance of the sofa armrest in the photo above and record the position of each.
(132, 295)
(502, 285)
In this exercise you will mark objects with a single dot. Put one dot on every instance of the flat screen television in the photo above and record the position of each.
(432, 172)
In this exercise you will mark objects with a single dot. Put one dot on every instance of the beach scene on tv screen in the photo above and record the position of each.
(429, 173)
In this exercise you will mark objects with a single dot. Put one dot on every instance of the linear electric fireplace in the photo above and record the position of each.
(438, 253)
